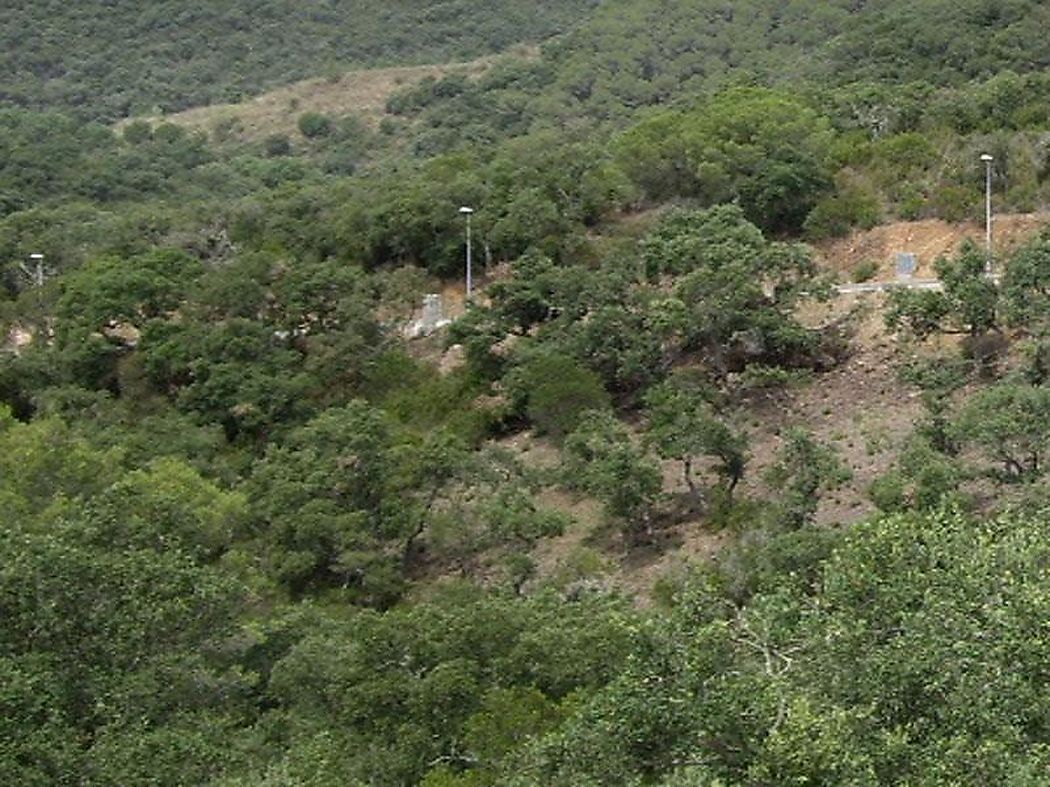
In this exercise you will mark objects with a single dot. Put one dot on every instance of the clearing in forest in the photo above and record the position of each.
(363, 93)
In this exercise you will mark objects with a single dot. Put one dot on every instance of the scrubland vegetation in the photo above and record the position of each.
(252, 535)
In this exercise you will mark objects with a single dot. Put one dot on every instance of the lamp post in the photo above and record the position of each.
(468, 212)
(38, 261)
(988, 159)
(36, 275)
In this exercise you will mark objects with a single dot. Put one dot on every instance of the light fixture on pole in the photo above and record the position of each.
(38, 269)
(988, 159)
(468, 212)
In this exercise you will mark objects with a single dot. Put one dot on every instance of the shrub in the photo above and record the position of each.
(835, 216)
(919, 312)
(278, 145)
(314, 125)
(865, 271)
(558, 391)
(758, 377)
(987, 351)
(911, 202)
(137, 132)
(955, 203)
(887, 492)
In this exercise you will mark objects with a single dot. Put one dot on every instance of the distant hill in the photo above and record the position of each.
(363, 93)
(107, 59)
(633, 53)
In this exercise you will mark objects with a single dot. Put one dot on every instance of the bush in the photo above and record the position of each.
(557, 390)
(137, 132)
(987, 351)
(314, 125)
(888, 493)
(911, 202)
(865, 271)
(835, 216)
(758, 377)
(278, 145)
(955, 203)
(763, 561)
(919, 312)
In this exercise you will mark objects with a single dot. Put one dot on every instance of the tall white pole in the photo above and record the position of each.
(38, 260)
(468, 212)
(470, 273)
(987, 159)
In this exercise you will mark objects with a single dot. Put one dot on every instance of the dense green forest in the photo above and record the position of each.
(104, 59)
(254, 535)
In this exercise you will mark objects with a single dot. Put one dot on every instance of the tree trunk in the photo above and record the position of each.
(421, 525)
(687, 475)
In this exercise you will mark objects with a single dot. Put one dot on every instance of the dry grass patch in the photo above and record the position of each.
(363, 93)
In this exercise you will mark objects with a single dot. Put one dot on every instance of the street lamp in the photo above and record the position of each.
(36, 275)
(988, 159)
(468, 212)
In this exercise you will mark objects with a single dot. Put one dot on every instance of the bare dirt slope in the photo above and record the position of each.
(861, 408)
(928, 239)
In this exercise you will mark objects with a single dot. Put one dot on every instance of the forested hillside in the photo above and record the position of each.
(106, 59)
(666, 502)
(635, 53)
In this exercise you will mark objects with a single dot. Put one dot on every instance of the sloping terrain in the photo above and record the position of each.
(363, 93)
(108, 59)
(928, 239)
(254, 534)
(688, 46)
(861, 408)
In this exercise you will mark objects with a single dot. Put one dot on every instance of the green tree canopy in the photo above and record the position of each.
(764, 150)
(683, 425)
(601, 458)
(738, 289)
(1010, 422)
(918, 655)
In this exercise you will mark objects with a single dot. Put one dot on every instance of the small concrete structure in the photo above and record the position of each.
(17, 338)
(432, 313)
(432, 319)
(906, 264)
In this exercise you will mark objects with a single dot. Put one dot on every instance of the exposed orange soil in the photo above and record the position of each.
(861, 408)
(928, 239)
